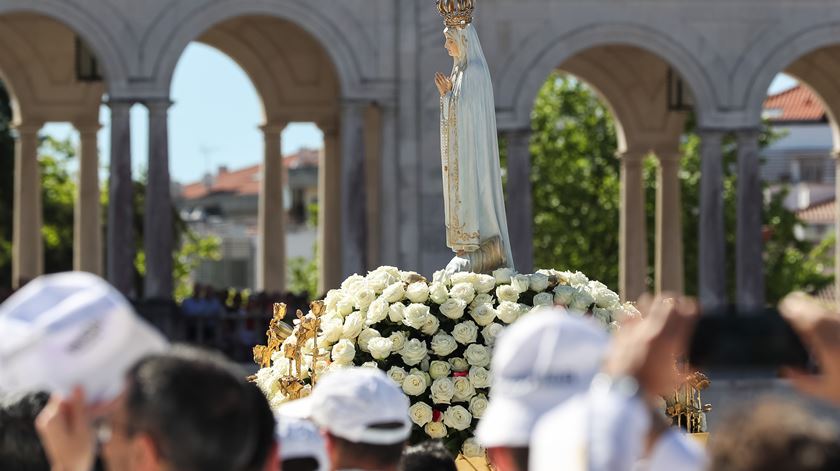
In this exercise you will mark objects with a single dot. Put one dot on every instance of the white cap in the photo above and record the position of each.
(71, 329)
(350, 402)
(300, 438)
(538, 362)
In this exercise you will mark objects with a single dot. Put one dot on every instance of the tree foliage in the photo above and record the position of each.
(575, 177)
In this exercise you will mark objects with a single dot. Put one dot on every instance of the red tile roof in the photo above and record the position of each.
(246, 181)
(819, 213)
(795, 104)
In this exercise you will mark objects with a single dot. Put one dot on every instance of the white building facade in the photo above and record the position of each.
(363, 71)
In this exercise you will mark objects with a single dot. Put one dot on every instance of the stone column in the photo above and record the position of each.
(87, 230)
(373, 178)
(836, 155)
(632, 243)
(390, 190)
(749, 280)
(157, 222)
(669, 246)
(712, 269)
(271, 248)
(520, 213)
(353, 189)
(329, 209)
(27, 242)
(120, 237)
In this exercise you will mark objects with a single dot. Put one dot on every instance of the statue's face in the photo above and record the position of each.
(451, 45)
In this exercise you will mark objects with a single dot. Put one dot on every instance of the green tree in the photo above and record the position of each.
(576, 198)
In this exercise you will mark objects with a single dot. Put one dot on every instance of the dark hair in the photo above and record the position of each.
(775, 435)
(300, 464)
(20, 447)
(199, 411)
(427, 456)
(379, 456)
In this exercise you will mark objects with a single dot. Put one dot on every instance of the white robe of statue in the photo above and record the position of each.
(472, 185)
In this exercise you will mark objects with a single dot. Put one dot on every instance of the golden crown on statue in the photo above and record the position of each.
(456, 13)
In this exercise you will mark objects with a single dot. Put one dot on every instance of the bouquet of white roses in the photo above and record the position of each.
(433, 339)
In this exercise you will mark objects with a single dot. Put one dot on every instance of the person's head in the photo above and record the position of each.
(538, 363)
(20, 447)
(198, 290)
(188, 410)
(303, 447)
(775, 435)
(427, 456)
(363, 415)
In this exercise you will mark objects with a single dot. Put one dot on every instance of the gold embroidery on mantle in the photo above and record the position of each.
(456, 236)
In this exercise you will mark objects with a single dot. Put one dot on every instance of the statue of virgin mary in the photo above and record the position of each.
(476, 225)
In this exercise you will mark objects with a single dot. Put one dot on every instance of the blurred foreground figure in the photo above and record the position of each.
(618, 425)
(775, 436)
(539, 362)
(427, 456)
(186, 410)
(363, 415)
(303, 447)
(20, 448)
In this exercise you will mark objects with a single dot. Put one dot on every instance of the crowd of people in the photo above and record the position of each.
(86, 384)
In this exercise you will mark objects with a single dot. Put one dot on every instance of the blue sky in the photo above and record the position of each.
(215, 117)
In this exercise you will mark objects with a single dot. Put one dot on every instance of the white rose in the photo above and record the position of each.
(507, 293)
(477, 355)
(604, 297)
(539, 282)
(521, 283)
(331, 300)
(435, 430)
(343, 352)
(394, 293)
(441, 276)
(370, 364)
(352, 283)
(442, 391)
(380, 347)
(464, 390)
(458, 364)
(479, 377)
(377, 312)
(439, 369)
(321, 367)
(465, 332)
(491, 332)
(577, 279)
(480, 299)
(443, 344)
(544, 299)
(396, 313)
(453, 308)
(418, 292)
(353, 325)
(398, 339)
(331, 329)
(603, 315)
(413, 352)
(415, 315)
(414, 385)
(438, 293)
(363, 297)
(463, 277)
(484, 283)
(463, 291)
(564, 295)
(503, 276)
(582, 301)
(483, 314)
(507, 312)
(345, 306)
(457, 417)
(268, 379)
(471, 449)
(420, 413)
(426, 377)
(365, 336)
(478, 404)
(397, 374)
(431, 325)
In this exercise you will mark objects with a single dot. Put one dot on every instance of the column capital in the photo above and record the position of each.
(87, 127)
(274, 127)
(519, 133)
(712, 133)
(632, 157)
(328, 126)
(158, 106)
(670, 157)
(26, 128)
(747, 133)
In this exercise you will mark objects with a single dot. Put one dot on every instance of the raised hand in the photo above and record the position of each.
(444, 85)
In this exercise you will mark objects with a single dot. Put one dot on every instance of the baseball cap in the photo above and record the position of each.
(300, 438)
(351, 403)
(539, 361)
(71, 329)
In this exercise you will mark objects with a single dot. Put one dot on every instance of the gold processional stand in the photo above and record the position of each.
(684, 408)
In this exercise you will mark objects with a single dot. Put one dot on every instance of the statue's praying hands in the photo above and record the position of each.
(444, 85)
